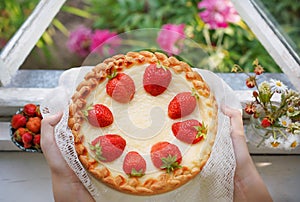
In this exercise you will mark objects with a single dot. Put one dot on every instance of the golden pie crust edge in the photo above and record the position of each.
(166, 181)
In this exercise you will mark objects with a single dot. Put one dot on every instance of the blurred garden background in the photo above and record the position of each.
(214, 25)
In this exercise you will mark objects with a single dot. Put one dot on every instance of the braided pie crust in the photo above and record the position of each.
(194, 157)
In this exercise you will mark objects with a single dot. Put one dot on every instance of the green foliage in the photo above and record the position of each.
(13, 14)
(234, 45)
(226, 47)
(125, 15)
(287, 15)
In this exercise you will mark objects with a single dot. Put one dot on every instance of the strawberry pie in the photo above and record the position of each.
(143, 123)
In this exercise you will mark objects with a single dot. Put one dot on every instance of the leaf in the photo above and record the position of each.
(136, 173)
(77, 11)
(170, 163)
(113, 74)
(58, 24)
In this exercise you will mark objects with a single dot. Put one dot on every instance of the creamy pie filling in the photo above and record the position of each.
(144, 121)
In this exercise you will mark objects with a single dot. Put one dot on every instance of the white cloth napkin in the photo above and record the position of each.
(213, 183)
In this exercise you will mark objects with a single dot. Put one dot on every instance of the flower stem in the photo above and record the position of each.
(263, 139)
(282, 133)
(274, 133)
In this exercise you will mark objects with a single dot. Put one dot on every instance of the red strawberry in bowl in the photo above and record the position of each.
(37, 141)
(134, 164)
(120, 87)
(99, 115)
(38, 112)
(19, 133)
(190, 131)
(182, 105)
(156, 79)
(108, 147)
(30, 109)
(166, 156)
(17, 121)
(34, 124)
(27, 140)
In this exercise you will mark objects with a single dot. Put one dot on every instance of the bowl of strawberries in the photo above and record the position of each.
(26, 127)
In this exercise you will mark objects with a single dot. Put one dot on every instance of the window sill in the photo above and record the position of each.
(31, 86)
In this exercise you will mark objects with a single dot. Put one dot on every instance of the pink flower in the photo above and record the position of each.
(169, 38)
(3, 42)
(218, 13)
(79, 41)
(103, 38)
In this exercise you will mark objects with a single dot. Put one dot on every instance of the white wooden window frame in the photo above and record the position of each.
(21, 44)
(270, 38)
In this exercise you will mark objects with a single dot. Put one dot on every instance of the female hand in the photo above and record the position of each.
(65, 183)
(248, 184)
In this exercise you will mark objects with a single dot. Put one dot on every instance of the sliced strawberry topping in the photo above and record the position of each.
(108, 147)
(121, 88)
(166, 156)
(99, 115)
(182, 105)
(134, 164)
(156, 79)
(189, 131)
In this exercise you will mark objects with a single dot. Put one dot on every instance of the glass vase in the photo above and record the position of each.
(256, 134)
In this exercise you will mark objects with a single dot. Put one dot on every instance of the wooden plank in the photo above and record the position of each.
(269, 38)
(18, 48)
(13, 98)
(7, 145)
(5, 142)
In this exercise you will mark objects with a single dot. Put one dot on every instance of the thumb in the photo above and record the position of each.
(236, 120)
(53, 119)
(237, 130)
(50, 121)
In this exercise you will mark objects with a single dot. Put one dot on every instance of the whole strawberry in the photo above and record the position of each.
(156, 79)
(37, 141)
(266, 122)
(19, 133)
(27, 140)
(108, 147)
(34, 124)
(17, 121)
(251, 82)
(190, 131)
(121, 88)
(134, 164)
(182, 105)
(99, 115)
(38, 112)
(30, 109)
(166, 156)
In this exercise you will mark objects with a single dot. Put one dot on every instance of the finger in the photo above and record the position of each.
(237, 132)
(53, 119)
(236, 120)
(231, 112)
(49, 122)
(47, 130)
